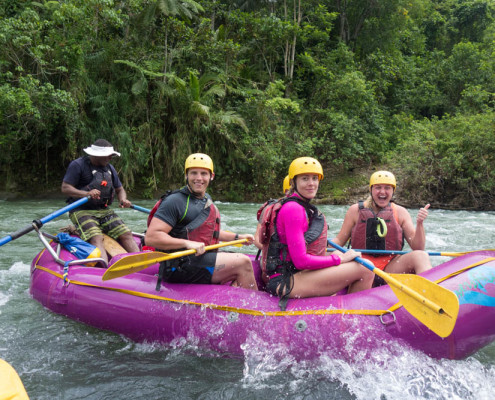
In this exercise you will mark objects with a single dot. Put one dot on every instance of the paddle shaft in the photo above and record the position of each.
(189, 252)
(137, 262)
(142, 209)
(399, 252)
(40, 222)
(391, 280)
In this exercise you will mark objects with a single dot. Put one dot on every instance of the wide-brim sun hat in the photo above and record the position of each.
(101, 151)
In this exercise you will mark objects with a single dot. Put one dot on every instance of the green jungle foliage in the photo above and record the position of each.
(357, 84)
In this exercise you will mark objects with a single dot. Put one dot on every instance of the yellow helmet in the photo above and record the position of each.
(286, 185)
(199, 160)
(384, 178)
(305, 165)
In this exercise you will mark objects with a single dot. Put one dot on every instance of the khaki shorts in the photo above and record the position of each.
(90, 223)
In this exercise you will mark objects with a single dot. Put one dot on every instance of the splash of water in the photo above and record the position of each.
(389, 373)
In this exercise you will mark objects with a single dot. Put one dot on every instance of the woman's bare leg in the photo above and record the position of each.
(234, 267)
(415, 262)
(328, 281)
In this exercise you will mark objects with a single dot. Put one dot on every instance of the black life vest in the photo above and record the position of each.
(102, 180)
(274, 258)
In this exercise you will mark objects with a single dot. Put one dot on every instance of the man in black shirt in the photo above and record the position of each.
(188, 219)
(93, 175)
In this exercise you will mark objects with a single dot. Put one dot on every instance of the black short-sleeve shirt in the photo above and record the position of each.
(173, 208)
(79, 174)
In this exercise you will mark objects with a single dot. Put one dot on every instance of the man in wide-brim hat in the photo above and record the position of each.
(101, 151)
(94, 176)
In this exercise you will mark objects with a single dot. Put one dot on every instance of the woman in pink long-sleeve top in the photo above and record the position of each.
(294, 259)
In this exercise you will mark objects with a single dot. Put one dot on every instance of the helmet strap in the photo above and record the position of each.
(198, 195)
(297, 191)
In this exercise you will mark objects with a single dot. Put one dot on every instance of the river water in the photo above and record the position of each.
(58, 358)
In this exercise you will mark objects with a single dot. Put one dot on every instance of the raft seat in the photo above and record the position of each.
(112, 247)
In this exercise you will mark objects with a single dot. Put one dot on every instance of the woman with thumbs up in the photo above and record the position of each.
(380, 224)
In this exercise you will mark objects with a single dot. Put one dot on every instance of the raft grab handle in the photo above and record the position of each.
(389, 322)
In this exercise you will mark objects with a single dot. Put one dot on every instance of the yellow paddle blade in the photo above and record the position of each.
(433, 305)
(137, 262)
(11, 386)
(132, 263)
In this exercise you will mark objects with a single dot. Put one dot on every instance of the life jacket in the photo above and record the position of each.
(102, 180)
(204, 228)
(274, 252)
(264, 216)
(366, 232)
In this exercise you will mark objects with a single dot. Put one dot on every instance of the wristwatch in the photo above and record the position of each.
(236, 236)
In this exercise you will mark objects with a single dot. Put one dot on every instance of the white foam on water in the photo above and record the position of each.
(393, 373)
(12, 280)
(4, 299)
(19, 268)
(413, 375)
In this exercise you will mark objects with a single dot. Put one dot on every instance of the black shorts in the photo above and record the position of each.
(378, 281)
(191, 269)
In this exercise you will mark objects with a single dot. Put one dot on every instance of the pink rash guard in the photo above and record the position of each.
(292, 223)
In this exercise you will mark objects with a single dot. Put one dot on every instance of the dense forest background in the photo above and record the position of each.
(358, 84)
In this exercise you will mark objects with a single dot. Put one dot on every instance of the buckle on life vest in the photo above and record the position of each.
(381, 227)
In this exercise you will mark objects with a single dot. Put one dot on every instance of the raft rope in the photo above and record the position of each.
(255, 312)
(216, 306)
(66, 273)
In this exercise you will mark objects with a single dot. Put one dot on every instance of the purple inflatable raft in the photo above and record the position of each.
(223, 319)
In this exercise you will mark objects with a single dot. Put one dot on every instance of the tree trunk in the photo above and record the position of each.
(297, 20)
(165, 64)
(290, 45)
(286, 52)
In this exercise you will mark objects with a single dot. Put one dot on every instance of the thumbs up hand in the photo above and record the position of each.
(422, 214)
